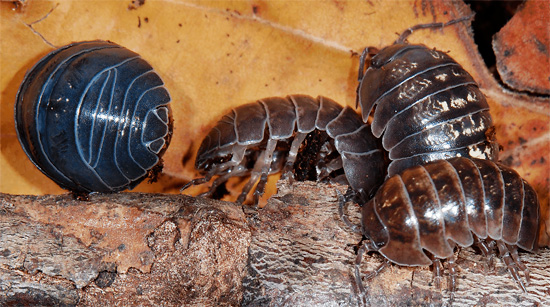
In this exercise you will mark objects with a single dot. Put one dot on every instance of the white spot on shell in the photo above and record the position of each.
(458, 103)
(441, 77)
(471, 97)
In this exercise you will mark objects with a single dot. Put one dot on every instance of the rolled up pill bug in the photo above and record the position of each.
(426, 106)
(419, 217)
(94, 117)
(269, 135)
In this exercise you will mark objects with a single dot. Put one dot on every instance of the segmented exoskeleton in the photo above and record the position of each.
(419, 216)
(266, 136)
(426, 106)
(94, 117)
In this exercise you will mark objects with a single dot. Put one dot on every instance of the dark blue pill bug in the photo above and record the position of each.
(94, 117)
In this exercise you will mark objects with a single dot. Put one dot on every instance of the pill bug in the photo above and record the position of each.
(426, 106)
(94, 117)
(419, 216)
(266, 137)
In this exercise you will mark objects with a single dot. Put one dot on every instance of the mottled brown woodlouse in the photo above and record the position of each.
(426, 106)
(419, 216)
(267, 136)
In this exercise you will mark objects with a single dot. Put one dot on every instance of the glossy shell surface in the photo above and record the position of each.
(426, 107)
(265, 135)
(94, 117)
(427, 210)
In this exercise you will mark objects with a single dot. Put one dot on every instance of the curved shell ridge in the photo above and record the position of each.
(85, 128)
(403, 246)
(446, 181)
(493, 188)
(112, 114)
(513, 204)
(357, 141)
(151, 128)
(328, 110)
(431, 109)
(398, 165)
(281, 117)
(456, 133)
(348, 121)
(381, 119)
(211, 143)
(306, 109)
(250, 123)
(473, 191)
(371, 225)
(529, 229)
(426, 206)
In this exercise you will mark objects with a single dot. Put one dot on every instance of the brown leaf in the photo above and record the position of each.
(522, 48)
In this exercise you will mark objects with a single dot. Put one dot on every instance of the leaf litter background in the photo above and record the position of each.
(215, 55)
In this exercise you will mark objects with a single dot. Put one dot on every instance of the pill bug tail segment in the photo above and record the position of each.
(297, 135)
(403, 37)
(431, 210)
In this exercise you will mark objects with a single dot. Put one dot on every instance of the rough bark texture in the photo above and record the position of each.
(120, 250)
(141, 249)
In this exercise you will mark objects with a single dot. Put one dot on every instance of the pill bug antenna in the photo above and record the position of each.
(410, 30)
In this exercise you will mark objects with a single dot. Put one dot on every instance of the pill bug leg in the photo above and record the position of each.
(292, 154)
(324, 170)
(231, 167)
(365, 248)
(236, 171)
(487, 250)
(513, 263)
(438, 269)
(437, 272)
(260, 170)
(520, 264)
(193, 182)
(451, 265)
(343, 200)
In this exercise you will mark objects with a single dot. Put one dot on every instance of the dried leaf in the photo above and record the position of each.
(215, 55)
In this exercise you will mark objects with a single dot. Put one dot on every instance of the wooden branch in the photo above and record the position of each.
(173, 250)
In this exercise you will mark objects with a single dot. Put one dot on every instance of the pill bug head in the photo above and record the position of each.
(219, 145)
(207, 156)
(215, 151)
(94, 117)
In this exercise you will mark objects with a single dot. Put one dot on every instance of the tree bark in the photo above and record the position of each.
(171, 250)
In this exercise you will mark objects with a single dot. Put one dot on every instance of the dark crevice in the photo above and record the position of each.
(490, 17)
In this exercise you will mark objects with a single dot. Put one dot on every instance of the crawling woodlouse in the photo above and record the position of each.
(265, 137)
(419, 216)
(427, 106)
(94, 117)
